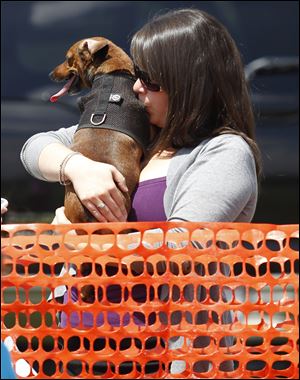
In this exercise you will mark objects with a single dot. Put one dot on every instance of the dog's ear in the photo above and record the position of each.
(90, 49)
(101, 53)
(95, 46)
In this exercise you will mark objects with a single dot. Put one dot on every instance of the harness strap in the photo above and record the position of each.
(113, 105)
(99, 115)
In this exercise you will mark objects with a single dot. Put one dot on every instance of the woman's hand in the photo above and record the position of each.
(95, 185)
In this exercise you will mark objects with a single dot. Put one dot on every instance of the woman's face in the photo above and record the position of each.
(156, 103)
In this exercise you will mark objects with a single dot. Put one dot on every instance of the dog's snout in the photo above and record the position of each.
(56, 76)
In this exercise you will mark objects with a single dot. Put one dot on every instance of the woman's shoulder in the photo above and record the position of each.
(223, 152)
(226, 143)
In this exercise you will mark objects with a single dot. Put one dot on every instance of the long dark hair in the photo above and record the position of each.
(196, 61)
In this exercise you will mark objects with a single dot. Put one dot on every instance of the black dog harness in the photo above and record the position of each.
(112, 104)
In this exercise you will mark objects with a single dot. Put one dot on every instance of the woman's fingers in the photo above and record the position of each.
(110, 209)
(114, 199)
(91, 206)
(119, 201)
(119, 179)
(105, 209)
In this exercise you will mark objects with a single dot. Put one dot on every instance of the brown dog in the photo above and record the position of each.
(114, 126)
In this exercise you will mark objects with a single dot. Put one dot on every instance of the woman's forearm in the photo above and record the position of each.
(50, 161)
(40, 157)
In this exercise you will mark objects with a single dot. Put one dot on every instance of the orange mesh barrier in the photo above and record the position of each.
(167, 300)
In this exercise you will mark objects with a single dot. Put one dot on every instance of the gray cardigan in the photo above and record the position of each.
(214, 182)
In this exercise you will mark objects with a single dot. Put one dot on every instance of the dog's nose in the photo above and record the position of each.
(51, 75)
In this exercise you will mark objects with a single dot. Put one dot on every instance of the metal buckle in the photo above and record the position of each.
(101, 121)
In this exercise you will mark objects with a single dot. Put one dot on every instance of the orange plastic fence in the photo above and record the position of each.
(166, 300)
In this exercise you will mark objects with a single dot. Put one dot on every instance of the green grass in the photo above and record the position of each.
(13, 217)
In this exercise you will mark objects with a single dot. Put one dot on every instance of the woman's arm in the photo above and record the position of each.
(216, 182)
(42, 156)
(39, 155)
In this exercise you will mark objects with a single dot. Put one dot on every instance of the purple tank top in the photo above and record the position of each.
(147, 201)
(147, 205)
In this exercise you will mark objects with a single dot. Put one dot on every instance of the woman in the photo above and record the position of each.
(204, 163)
(190, 78)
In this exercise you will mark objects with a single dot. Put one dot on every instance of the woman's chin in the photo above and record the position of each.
(156, 122)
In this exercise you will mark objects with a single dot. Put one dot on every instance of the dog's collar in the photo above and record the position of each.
(117, 73)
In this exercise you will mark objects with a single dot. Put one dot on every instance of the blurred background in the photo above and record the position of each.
(36, 34)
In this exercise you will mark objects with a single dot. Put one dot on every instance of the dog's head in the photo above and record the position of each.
(84, 60)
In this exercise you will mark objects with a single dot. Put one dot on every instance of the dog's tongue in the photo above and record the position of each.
(63, 91)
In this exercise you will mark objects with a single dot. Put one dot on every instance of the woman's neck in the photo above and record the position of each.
(157, 165)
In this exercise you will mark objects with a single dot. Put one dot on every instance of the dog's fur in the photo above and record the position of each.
(85, 60)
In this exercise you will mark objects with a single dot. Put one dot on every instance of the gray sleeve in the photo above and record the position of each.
(218, 186)
(33, 147)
